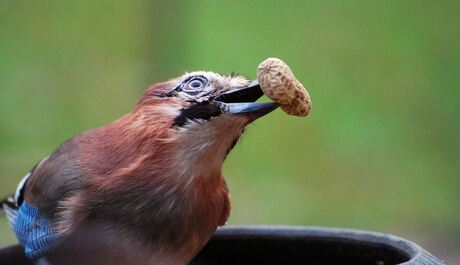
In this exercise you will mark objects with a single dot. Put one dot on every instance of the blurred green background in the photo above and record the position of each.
(380, 150)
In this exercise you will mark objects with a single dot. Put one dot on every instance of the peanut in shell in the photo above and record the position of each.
(279, 84)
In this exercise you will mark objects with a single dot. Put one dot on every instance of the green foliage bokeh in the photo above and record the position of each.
(380, 150)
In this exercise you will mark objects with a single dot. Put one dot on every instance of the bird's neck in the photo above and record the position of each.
(200, 149)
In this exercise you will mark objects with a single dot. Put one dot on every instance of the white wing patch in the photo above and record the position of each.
(19, 194)
(11, 206)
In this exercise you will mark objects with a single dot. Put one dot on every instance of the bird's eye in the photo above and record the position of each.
(196, 83)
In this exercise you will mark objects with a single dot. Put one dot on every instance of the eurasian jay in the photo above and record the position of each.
(144, 189)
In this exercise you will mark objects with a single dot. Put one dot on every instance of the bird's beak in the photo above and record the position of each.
(241, 101)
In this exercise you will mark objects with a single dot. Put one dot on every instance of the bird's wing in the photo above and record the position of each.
(10, 205)
(32, 229)
(31, 211)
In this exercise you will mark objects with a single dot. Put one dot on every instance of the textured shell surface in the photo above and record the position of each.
(279, 84)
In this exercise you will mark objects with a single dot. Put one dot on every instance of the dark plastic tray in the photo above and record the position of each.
(272, 245)
(304, 245)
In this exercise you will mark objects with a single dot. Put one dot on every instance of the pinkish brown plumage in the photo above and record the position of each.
(147, 188)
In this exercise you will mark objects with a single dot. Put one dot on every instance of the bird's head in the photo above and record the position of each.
(204, 113)
(163, 160)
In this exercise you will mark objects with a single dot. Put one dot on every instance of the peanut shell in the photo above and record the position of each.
(279, 84)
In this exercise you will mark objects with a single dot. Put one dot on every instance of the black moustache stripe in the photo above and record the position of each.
(204, 111)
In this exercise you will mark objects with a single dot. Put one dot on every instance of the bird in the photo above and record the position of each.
(145, 189)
